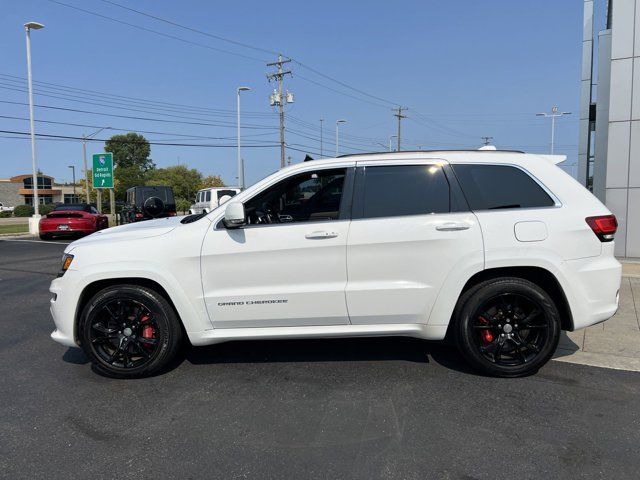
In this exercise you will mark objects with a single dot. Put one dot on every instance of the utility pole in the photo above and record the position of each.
(554, 113)
(487, 140)
(400, 116)
(338, 122)
(240, 163)
(321, 127)
(277, 99)
(73, 170)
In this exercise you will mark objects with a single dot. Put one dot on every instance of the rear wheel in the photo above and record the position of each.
(45, 236)
(507, 327)
(129, 331)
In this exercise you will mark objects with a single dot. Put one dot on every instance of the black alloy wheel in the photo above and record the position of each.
(129, 331)
(508, 327)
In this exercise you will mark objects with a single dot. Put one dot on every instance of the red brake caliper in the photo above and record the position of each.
(147, 330)
(486, 335)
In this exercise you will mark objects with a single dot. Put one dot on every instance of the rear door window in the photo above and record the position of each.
(392, 191)
(492, 187)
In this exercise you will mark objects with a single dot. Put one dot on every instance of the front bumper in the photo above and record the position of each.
(65, 293)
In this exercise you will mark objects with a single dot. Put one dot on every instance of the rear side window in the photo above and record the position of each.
(490, 187)
(392, 191)
(208, 199)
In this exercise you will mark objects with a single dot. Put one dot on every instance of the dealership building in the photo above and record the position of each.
(18, 190)
(609, 144)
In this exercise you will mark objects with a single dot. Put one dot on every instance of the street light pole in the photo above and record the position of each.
(240, 163)
(36, 203)
(73, 170)
(392, 136)
(338, 122)
(554, 113)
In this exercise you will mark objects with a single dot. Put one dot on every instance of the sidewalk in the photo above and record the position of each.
(614, 343)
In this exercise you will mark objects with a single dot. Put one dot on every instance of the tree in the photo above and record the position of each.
(182, 205)
(131, 158)
(211, 181)
(184, 181)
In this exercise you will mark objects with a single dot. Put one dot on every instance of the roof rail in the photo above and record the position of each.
(431, 151)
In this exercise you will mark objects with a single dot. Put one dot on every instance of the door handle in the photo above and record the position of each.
(453, 226)
(320, 234)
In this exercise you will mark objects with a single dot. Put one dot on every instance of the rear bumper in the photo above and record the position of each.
(53, 228)
(593, 287)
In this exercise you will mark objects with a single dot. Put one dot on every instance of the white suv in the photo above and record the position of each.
(497, 250)
(209, 199)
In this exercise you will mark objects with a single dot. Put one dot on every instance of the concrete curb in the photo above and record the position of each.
(603, 360)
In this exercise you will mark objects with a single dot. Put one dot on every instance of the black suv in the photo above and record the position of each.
(146, 203)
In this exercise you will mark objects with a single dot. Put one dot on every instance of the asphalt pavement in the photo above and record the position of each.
(335, 409)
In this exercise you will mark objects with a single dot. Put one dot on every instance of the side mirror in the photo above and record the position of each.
(224, 199)
(234, 215)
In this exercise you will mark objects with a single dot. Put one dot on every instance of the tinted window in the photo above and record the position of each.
(222, 193)
(208, 199)
(163, 193)
(404, 190)
(309, 196)
(80, 207)
(489, 187)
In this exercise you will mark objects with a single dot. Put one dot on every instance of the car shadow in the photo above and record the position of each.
(312, 350)
(330, 350)
(566, 346)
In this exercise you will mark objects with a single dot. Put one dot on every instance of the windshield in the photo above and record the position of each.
(76, 207)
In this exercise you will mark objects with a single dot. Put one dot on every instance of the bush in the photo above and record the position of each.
(182, 205)
(47, 208)
(23, 211)
(5, 214)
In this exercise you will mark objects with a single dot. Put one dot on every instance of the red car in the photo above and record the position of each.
(72, 219)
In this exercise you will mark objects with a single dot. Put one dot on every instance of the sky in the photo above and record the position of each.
(465, 69)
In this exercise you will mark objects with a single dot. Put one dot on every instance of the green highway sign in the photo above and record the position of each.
(102, 170)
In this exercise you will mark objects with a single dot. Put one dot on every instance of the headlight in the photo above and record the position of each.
(67, 259)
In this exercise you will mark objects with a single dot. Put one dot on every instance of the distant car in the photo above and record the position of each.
(209, 199)
(72, 219)
(146, 203)
(5, 208)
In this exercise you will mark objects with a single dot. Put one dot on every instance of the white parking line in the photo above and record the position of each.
(32, 241)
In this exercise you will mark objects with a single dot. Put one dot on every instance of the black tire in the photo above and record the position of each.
(129, 331)
(45, 236)
(507, 327)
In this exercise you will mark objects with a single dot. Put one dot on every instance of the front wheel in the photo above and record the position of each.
(129, 331)
(507, 327)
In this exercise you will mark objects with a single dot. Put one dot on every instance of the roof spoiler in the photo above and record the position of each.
(555, 159)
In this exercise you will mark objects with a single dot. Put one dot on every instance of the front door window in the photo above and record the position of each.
(309, 196)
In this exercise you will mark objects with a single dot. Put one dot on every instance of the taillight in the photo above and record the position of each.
(604, 226)
(172, 214)
(139, 215)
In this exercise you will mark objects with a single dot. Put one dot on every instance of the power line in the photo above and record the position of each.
(137, 118)
(218, 37)
(133, 129)
(191, 29)
(57, 86)
(69, 137)
(139, 27)
(99, 104)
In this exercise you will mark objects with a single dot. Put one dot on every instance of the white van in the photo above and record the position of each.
(209, 199)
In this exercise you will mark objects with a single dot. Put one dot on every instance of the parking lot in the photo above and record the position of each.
(366, 408)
